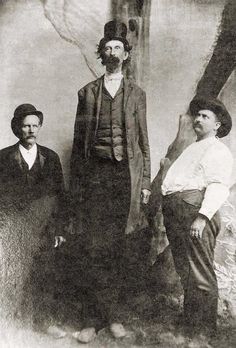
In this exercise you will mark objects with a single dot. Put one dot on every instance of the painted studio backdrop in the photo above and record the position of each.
(181, 47)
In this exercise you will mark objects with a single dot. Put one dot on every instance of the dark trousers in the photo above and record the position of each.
(193, 257)
(100, 245)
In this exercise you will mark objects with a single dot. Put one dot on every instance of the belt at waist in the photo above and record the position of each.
(183, 193)
(193, 197)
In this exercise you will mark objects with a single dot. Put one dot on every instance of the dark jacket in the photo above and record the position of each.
(138, 153)
(13, 176)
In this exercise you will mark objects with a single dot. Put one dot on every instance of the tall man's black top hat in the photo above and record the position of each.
(20, 113)
(114, 30)
(216, 106)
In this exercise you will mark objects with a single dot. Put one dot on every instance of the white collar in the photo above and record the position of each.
(31, 151)
(209, 140)
(115, 76)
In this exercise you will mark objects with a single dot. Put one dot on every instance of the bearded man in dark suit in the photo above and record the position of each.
(110, 180)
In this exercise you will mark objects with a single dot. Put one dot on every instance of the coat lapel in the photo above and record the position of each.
(128, 86)
(16, 157)
(97, 90)
(42, 158)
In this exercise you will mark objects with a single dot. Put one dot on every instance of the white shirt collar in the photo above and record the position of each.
(113, 77)
(209, 140)
(29, 155)
(32, 151)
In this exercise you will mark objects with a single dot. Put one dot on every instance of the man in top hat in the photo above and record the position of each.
(195, 187)
(110, 179)
(30, 172)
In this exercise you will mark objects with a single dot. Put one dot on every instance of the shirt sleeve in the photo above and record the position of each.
(217, 167)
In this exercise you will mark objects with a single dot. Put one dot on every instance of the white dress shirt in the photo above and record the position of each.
(205, 164)
(29, 155)
(112, 82)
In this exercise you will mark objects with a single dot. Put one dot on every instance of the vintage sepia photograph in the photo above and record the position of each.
(118, 174)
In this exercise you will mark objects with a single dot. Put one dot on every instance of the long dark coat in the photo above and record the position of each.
(138, 153)
(28, 223)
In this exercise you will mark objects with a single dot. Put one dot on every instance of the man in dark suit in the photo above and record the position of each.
(29, 170)
(31, 174)
(110, 178)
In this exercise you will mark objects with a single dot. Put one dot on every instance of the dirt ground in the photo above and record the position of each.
(149, 323)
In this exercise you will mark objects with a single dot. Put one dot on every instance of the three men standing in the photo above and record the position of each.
(195, 187)
(110, 178)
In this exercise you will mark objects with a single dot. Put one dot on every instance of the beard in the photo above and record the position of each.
(111, 62)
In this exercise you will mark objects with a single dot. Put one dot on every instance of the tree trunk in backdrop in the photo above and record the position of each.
(136, 15)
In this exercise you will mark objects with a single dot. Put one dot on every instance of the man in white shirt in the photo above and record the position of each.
(110, 178)
(195, 187)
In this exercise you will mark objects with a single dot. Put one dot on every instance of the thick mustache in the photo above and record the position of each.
(30, 136)
(197, 124)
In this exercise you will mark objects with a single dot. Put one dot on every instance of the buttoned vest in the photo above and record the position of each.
(31, 177)
(110, 137)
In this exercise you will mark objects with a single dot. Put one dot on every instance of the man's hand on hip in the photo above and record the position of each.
(145, 194)
(198, 226)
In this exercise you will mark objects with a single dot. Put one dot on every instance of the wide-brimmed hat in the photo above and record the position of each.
(114, 30)
(20, 113)
(216, 106)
